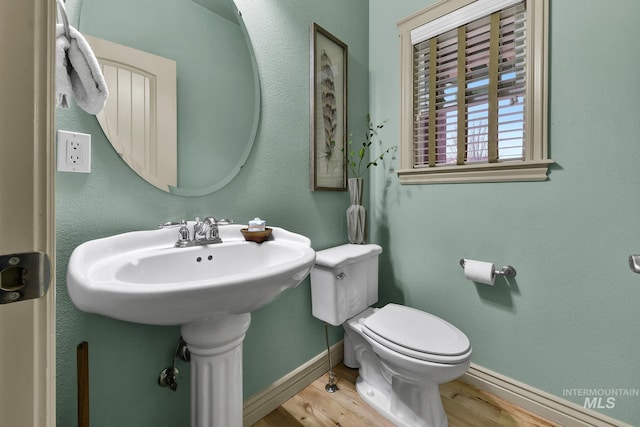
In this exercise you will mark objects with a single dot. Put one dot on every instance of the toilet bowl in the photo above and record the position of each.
(402, 353)
(398, 379)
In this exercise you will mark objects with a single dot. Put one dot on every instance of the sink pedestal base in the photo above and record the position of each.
(215, 343)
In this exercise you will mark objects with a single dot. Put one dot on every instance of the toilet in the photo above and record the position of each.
(402, 353)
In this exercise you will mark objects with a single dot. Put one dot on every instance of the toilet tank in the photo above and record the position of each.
(344, 282)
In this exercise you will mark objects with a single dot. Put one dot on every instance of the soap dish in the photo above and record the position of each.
(256, 236)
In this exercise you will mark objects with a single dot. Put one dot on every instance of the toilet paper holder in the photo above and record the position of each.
(506, 271)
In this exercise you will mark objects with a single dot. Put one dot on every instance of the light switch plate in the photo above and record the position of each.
(74, 152)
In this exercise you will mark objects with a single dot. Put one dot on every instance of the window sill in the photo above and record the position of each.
(531, 170)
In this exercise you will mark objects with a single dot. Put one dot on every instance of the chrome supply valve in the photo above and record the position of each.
(169, 376)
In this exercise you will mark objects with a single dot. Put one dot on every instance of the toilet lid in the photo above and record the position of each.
(416, 333)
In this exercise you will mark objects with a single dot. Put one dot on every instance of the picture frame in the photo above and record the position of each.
(328, 122)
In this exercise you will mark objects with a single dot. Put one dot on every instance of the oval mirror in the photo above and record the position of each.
(218, 89)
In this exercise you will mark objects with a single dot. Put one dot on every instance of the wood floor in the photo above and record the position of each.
(465, 405)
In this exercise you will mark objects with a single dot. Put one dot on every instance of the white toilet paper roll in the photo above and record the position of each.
(479, 271)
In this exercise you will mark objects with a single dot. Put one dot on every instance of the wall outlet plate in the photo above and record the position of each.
(74, 152)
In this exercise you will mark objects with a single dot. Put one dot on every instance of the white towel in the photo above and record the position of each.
(78, 73)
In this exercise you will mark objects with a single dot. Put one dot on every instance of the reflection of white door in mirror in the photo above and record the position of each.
(139, 118)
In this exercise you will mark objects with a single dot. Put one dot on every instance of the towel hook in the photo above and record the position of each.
(65, 20)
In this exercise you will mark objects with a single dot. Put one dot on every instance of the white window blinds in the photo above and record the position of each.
(469, 90)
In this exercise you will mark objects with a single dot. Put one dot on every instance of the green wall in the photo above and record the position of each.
(570, 318)
(125, 359)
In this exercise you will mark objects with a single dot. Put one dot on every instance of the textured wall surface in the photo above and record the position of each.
(125, 358)
(570, 319)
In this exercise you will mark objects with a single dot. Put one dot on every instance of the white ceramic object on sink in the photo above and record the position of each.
(208, 290)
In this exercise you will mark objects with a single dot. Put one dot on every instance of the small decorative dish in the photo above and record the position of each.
(256, 236)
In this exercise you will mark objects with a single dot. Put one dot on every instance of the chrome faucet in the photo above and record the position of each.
(198, 230)
(204, 232)
(210, 229)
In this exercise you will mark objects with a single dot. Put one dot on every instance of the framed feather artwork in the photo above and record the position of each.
(328, 111)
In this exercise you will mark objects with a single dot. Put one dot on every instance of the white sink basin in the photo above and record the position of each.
(140, 277)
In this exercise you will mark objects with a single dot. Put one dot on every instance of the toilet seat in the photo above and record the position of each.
(417, 334)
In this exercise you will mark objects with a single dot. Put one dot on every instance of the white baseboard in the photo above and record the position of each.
(261, 404)
(546, 405)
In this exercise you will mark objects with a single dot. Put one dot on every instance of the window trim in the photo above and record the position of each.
(534, 166)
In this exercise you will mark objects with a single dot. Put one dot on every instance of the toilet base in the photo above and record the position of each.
(408, 395)
(380, 400)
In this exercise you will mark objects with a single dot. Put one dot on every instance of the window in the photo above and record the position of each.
(474, 99)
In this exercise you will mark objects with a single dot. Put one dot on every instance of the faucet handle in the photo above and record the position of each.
(213, 220)
(169, 224)
(184, 234)
(210, 228)
(210, 220)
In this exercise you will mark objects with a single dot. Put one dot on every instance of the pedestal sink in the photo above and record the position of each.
(209, 291)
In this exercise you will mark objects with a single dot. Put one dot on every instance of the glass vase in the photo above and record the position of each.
(356, 213)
